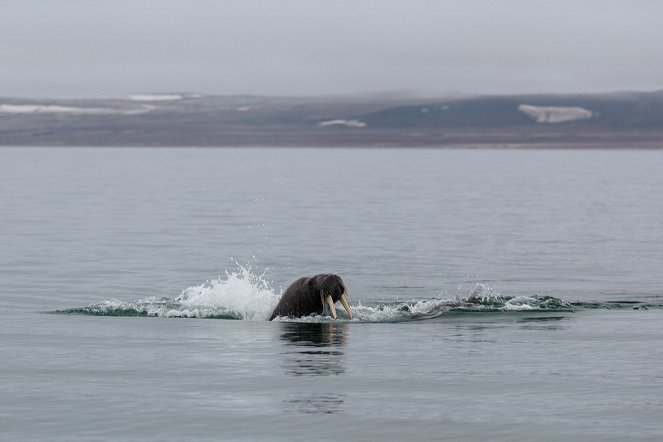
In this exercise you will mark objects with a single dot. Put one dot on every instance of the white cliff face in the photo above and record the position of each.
(555, 114)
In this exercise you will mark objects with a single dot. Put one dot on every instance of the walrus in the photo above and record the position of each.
(309, 295)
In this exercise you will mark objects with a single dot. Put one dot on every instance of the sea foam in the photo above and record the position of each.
(245, 295)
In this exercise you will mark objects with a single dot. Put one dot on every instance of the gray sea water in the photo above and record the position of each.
(498, 294)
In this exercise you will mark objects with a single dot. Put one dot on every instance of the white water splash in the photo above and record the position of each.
(520, 303)
(242, 293)
(483, 294)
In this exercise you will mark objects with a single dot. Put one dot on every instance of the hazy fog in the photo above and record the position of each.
(94, 48)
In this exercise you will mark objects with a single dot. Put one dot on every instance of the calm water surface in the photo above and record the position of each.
(562, 248)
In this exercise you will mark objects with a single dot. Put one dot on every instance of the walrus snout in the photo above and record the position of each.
(333, 290)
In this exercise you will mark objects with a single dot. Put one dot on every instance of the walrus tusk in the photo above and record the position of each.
(344, 301)
(330, 303)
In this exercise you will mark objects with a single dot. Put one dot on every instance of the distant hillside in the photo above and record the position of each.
(606, 120)
(610, 111)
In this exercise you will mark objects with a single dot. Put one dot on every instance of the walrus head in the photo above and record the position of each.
(332, 290)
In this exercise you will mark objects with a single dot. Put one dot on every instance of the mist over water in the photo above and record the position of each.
(498, 295)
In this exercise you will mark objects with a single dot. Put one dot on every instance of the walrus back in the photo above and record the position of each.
(296, 300)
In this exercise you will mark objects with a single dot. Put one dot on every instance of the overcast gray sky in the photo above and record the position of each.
(83, 48)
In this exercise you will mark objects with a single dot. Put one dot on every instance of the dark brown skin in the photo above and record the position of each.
(302, 297)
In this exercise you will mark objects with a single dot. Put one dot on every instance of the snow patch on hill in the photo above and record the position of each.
(155, 97)
(348, 123)
(70, 110)
(555, 114)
